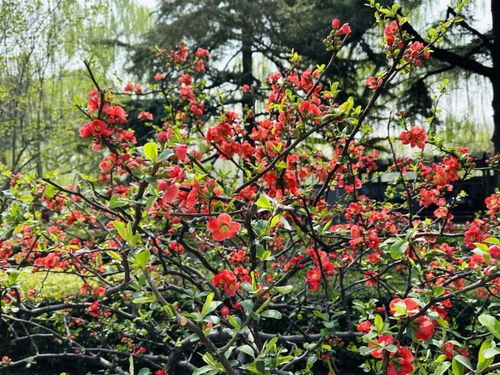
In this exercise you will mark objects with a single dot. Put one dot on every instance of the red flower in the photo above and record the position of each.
(425, 329)
(400, 363)
(107, 163)
(226, 279)
(116, 114)
(473, 234)
(201, 52)
(94, 309)
(414, 137)
(364, 326)
(133, 87)
(335, 23)
(101, 292)
(160, 372)
(313, 278)
(345, 29)
(145, 116)
(158, 76)
(162, 136)
(223, 227)
(96, 128)
(200, 66)
(84, 289)
(493, 204)
(185, 79)
(170, 191)
(383, 342)
(180, 152)
(494, 251)
(307, 109)
(374, 83)
(389, 32)
(224, 311)
(447, 349)
(409, 305)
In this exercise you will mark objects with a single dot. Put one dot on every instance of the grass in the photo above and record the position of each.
(49, 285)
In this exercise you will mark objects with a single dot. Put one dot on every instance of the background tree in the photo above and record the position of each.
(42, 44)
(264, 31)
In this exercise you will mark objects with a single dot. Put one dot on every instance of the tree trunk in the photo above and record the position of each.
(247, 68)
(495, 13)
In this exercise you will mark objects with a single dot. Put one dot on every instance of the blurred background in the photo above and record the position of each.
(43, 44)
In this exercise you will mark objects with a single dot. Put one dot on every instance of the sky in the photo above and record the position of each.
(149, 3)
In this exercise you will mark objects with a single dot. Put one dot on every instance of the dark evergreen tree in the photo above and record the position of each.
(243, 28)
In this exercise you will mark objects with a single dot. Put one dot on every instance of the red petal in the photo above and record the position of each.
(170, 194)
(212, 225)
(234, 228)
(218, 236)
(224, 219)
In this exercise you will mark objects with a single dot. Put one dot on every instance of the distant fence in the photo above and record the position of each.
(477, 189)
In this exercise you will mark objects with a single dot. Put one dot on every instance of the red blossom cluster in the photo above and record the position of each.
(415, 137)
(222, 222)
(227, 280)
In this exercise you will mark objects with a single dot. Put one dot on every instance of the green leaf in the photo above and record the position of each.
(116, 201)
(491, 324)
(114, 255)
(264, 203)
(13, 275)
(379, 323)
(440, 358)
(209, 305)
(50, 191)
(165, 154)
(272, 314)
(492, 240)
(247, 304)
(247, 349)
(142, 257)
(274, 221)
(438, 290)
(144, 371)
(234, 322)
(121, 228)
(347, 105)
(491, 352)
(263, 306)
(202, 370)
(398, 248)
(320, 315)
(261, 366)
(464, 361)
(168, 309)
(151, 151)
(284, 289)
(144, 299)
(441, 369)
(482, 361)
(206, 305)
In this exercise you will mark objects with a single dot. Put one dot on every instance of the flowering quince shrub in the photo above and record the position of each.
(212, 248)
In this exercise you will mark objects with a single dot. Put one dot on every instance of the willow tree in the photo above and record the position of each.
(42, 45)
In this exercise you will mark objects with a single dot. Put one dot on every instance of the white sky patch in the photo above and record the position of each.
(151, 4)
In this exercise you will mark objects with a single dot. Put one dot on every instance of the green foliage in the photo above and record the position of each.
(42, 44)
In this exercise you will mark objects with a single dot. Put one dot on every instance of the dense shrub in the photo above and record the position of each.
(212, 248)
